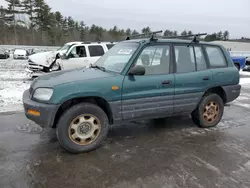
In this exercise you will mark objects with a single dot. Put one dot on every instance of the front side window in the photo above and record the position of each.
(215, 56)
(96, 50)
(118, 56)
(184, 57)
(155, 59)
(77, 52)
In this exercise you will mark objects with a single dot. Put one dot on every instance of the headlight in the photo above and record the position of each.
(43, 94)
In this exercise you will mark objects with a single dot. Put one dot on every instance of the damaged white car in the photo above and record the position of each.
(71, 55)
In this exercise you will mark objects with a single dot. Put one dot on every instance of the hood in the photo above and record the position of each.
(43, 58)
(69, 76)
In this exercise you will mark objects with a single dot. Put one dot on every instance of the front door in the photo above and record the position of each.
(192, 78)
(77, 57)
(152, 94)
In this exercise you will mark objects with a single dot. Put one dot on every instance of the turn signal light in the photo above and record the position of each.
(33, 112)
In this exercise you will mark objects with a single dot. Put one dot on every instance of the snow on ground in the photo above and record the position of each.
(13, 81)
(11, 64)
(245, 81)
(11, 95)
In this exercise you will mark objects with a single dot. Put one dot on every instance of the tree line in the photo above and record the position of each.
(32, 22)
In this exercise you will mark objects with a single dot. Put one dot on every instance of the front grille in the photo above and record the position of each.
(34, 67)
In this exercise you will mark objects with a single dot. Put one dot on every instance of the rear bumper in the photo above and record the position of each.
(232, 92)
(47, 111)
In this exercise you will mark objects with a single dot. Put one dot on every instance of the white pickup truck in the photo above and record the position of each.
(70, 56)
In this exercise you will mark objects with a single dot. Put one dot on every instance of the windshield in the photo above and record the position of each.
(118, 56)
(65, 47)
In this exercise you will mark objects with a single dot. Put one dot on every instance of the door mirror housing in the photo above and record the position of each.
(64, 56)
(137, 70)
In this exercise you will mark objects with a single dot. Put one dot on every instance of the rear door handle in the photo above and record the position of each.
(206, 78)
(166, 82)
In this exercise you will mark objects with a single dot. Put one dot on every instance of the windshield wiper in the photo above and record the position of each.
(98, 67)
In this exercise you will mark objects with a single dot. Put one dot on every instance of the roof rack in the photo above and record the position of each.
(185, 36)
(145, 34)
(98, 42)
(195, 39)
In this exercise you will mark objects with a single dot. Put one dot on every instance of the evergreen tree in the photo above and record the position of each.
(225, 35)
(11, 12)
(28, 8)
(82, 31)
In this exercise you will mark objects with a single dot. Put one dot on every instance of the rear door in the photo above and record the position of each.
(223, 74)
(192, 77)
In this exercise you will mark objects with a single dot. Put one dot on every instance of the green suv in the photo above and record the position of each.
(136, 79)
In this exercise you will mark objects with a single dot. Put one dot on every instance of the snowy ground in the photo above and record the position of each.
(13, 81)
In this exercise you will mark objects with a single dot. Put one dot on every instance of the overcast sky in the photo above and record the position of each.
(196, 15)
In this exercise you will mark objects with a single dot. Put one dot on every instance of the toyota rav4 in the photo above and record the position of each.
(136, 79)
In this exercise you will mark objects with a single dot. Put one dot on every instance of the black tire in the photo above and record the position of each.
(197, 114)
(62, 129)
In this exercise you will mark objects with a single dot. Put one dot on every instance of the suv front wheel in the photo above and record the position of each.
(209, 112)
(82, 128)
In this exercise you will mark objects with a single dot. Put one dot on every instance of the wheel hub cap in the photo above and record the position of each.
(211, 112)
(84, 128)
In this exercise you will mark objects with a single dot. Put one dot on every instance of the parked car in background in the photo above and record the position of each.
(33, 51)
(70, 56)
(239, 62)
(247, 67)
(4, 54)
(20, 54)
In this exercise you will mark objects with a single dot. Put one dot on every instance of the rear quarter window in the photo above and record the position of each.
(96, 50)
(215, 56)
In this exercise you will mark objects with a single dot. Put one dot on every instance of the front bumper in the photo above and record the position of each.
(232, 92)
(20, 57)
(33, 74)
(47, 111)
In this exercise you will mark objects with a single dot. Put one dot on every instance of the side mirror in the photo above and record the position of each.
(64, 56)
(137, 70)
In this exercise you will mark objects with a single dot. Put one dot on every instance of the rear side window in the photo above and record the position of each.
(96, 50)
(200, 59)
(109, 45)
(184, 57)
(215, 56)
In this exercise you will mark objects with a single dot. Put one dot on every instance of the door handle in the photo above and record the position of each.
(206, 78)
(166, 82)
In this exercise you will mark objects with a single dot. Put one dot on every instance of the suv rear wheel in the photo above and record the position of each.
(82, 128)
(209, 112)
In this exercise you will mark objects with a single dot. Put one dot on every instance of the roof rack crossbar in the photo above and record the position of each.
(144, 34)
(184, 36)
